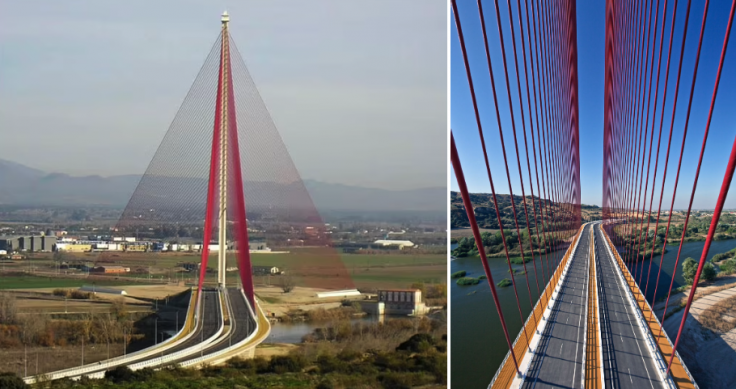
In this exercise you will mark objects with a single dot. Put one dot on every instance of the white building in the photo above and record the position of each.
(401, 244)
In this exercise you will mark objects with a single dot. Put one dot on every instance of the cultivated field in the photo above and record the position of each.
(311, 267)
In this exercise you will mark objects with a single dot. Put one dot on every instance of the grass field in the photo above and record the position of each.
(35, 282)
(314, 267)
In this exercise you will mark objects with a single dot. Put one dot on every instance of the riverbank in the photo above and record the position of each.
(704, 350)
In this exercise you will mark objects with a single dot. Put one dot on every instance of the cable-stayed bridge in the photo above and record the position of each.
(592, 325)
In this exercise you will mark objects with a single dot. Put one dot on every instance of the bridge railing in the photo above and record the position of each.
(643, 324)
(565, 259)
(180, 337)
(167, 359)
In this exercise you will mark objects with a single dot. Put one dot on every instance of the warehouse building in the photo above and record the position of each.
(27, 243)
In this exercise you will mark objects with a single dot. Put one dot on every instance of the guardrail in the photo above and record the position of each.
(166, 359)
(641, 323)
(174, 341)
(568, 252)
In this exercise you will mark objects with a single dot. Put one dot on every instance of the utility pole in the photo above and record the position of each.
(156, 330)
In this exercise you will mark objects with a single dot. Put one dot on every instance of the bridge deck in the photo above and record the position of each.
(628, 361)
(507, 371)
(559, 360)
(678, 371)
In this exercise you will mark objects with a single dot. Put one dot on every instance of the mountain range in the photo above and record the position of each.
(22, 185)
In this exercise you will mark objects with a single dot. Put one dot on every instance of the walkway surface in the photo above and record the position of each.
(560, 357)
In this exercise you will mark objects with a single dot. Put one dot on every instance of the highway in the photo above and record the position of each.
(559, 358)
(242, 324)
(212, 313)
(626, 359)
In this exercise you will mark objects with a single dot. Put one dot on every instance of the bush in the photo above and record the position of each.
(709, 272)
(459, 274)
(120, 374)
(689, 268)
(465, 281)
(61, 292)
(404, 380)
(418, 343)
(287, 364)
(436, 291)
(12, 381)
(728, 267)
(329, 364)
(504, 283)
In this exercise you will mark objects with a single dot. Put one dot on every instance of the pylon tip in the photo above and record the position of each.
(225, 17)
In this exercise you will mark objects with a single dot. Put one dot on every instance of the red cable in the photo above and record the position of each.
(485, 155)
(457, 167)
(726, 179)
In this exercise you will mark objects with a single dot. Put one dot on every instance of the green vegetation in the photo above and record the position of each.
(690, 268)
(459, 274)
(493, 244)
(483, 277)
(504, 283)
(12, 381)
(485, 210)
(465, 281)
(728, 267)
(416, 362)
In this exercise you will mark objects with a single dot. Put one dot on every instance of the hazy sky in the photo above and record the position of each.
(358, 90)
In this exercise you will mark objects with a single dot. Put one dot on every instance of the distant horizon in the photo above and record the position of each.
(47, 173)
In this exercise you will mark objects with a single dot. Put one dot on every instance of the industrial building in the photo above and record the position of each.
(401, 244)
(110, 269)
(27, 243)
(397, 302)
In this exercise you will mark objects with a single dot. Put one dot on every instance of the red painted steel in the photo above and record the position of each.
(458, 169)
(245, 268)
(211, 187)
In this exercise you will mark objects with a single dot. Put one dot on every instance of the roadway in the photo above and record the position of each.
(626, 359)
(241, 325)
(559, 360)
(212, 311)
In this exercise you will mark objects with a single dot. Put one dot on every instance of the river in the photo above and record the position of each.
(293, 332)
(478, 343)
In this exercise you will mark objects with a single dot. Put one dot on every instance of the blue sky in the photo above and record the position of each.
(359, 94)
(591, 35)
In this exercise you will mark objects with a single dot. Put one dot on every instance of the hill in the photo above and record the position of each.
(485, 211)
(22, 185)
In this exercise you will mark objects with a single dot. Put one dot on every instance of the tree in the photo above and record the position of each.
(12, 381)
(118, 309)
(689, 268)
(8, 309)
(709, 272)
(287, 283)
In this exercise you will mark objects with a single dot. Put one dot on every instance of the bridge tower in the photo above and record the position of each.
(223, 99)
(225, 198)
